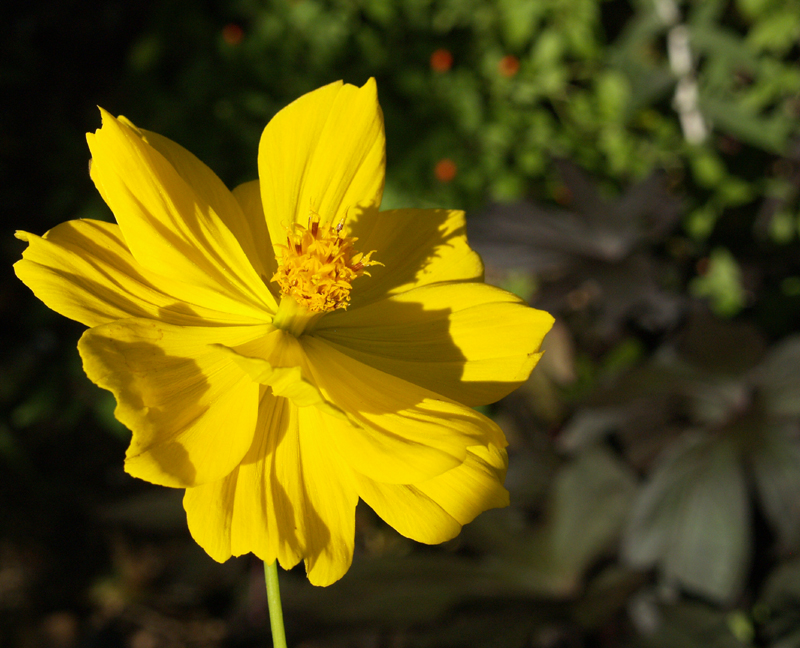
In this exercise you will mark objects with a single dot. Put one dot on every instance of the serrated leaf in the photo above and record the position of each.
(596, 481)
(782, 588)
(779, 379)
(776, 466)
(693, 625)
(586, 511)
(692, 519)
(780, 605)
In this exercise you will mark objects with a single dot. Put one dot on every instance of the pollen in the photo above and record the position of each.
(318, 265)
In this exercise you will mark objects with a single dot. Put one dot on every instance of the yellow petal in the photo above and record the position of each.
(473, 487)
(324, 152)
(166, 218)
(386, 426)
(83, 270)
(286, 382)
(255, 228)
(253, 510)
(470, 342)
(407, 434)
(417, 247)
(330, 502)
(410, 512)
(209, 514)
(291, 498)
(191, 410)
(434, 511)
(239, 210)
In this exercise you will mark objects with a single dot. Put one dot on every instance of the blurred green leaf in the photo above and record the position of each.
(548, 49)
(770, 131)
(613, 96)
(519, 19)
(607, 594)
(721, 283)
(733, 191)
(145, 53)
(708, 168)
(380, 11)
(701, 221)
(752, 9)
(777, 32)
(782, 227)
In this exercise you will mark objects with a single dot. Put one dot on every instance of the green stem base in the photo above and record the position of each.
(274, 602)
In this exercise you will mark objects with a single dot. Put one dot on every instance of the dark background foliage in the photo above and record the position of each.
(632, 166)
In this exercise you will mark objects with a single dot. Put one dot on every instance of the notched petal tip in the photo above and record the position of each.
(23, 235)
(105, 116)
(371, 87)
(110, 122)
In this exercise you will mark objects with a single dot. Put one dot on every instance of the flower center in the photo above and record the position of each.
(318, 265)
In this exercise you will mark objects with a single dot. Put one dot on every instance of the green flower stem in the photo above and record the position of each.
(274, 602)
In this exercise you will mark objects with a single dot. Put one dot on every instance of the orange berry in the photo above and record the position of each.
(441, 60)
(509, 65)
(232, 34)
(445, 170)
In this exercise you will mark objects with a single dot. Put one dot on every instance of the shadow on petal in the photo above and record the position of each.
(416, 246)
(176, 394)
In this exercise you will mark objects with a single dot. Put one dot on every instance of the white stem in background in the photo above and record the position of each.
(681, 62)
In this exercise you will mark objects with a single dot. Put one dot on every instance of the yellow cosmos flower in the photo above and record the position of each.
(284, 349)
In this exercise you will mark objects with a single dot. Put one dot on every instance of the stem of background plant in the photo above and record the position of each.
(274, 602)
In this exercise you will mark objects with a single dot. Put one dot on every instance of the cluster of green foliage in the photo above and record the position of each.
(632, 166)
